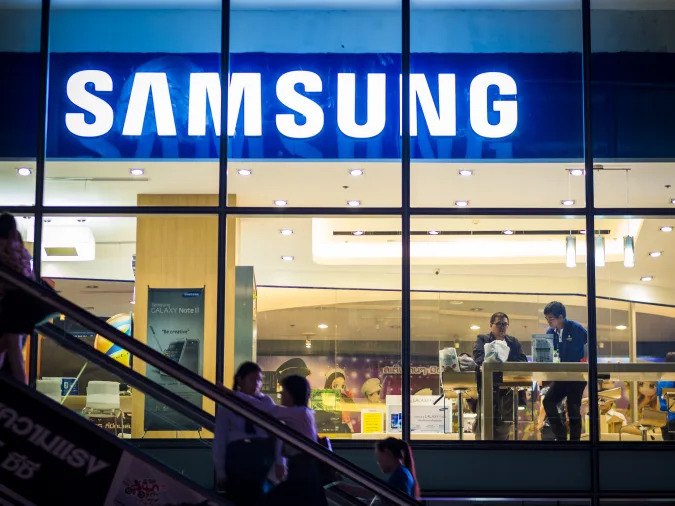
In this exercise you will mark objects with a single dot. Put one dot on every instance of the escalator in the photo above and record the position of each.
(64, 458)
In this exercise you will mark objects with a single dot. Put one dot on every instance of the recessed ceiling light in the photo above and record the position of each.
(476, 309)
(666, 228)
(136, 171)
(620, 327)
(286, 231)
(354, 203)
(357, 232)
(280, 203)
(582, 232)
(81, 220)
(577, 172)
(654, 254)
(456, 302)
(287, 258)
(24, 171)
(474, 327)
(47, 220)
(567, 202)
(92, 287)
(461, 203)
(465, 172)
(322, 326)
(672, 201)
(244, 172)
(646, 278)
(356, 172)
(508, 232)
(433, 232)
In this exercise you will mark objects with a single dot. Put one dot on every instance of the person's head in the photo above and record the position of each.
(391, 453)
(670, 356)
(499, 324)
(555, 314)
(296, 391)
(248, 378)
(8, 228)
(335, 381)
(372, 389)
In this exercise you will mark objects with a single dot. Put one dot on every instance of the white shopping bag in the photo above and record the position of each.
(496, 351)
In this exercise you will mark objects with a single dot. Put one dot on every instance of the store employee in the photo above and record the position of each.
(569, 341)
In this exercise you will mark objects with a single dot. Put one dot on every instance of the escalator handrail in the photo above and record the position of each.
(133, 378)
(220, 394)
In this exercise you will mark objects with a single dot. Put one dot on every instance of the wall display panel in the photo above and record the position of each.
(635, 302)
(313, 115)
(150, 276)
(20, 78)
(129, 97)
(320, 297)
(483, 279)
(496, 107)
(632, 110)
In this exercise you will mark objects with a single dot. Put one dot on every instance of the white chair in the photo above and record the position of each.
(103, 403)
(51, 387)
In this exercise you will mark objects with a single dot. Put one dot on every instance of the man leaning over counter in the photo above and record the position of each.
(503, 399)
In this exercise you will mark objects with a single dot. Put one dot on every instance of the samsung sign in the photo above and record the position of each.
(323, 107)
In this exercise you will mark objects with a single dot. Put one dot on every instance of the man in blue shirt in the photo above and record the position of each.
(569, 341)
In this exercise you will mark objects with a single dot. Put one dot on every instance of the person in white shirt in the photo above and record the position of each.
(243, 453)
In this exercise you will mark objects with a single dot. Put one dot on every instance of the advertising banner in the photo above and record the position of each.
(50, 455)
(175, 328)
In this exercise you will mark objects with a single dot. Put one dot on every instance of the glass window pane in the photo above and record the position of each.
(496, 104)
(328, 131)
(465, 273)
(134, 98)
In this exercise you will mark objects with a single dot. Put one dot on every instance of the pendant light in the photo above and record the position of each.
(599, 251)
(628, 251)
(571, 251)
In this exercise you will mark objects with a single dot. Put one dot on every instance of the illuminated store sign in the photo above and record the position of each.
(294, 90)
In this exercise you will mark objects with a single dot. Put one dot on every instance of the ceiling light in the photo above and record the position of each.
(465, 172)
(476, 309)
(24, 171)
(356, 172)
(599, 251)
(286, 231)
(92, 287)
(287, 258)
(655, 254)
(672, 201)
(81, 220)
(457, 344)
(322, 326)
(620, 327)
(47, 220)
(244, 172)
(474, 327)
(666, 228)
(577, 172)
(628, 251)
(582, 232)
(461, 203)
(508, 232)
(308, 343)
(567, 202)
(354, 203)
(456, 302)
(433, 232)
(646, 278)
(570, 251)
(136, 171)
(280, 203)
(357, 232)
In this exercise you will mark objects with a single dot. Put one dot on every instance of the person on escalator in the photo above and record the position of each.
(243, 453)
(14, 255)
(395, 458)
(303, 483)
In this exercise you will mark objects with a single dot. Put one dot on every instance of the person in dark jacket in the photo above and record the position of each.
(503, 399)
(569, 340)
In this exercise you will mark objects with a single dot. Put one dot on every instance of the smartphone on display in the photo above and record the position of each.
(396, 420)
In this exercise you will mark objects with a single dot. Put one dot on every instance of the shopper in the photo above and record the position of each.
(668, 430)
(569, 341)
(502, 399)
(243, 453)
(14, 255)
(304, 483)
(395, 458)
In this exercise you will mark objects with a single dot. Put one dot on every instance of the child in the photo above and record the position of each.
(394, 456)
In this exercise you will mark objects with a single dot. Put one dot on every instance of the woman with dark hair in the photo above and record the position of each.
(395, 458)
(14, 255)
(243, 453)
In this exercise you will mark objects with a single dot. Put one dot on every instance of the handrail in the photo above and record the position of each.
(221, 395)
(134, 378)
